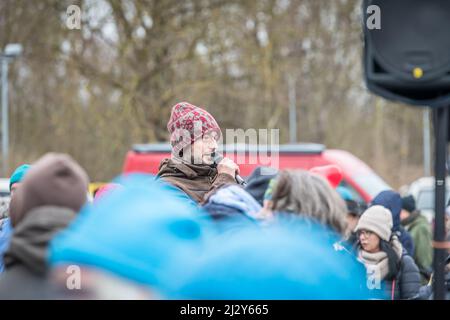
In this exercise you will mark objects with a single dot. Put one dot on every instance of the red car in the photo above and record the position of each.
(359, 178)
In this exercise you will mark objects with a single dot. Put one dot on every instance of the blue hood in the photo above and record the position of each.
(237, 199)
(138, 232)
(390, 200)
(286, 260)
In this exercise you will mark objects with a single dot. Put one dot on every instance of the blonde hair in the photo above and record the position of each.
(308, 194)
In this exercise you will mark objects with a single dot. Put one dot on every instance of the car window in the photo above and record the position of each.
(425, 199)
(371, 183)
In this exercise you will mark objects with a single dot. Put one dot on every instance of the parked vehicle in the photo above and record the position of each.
(359, 178)
(4, 187)
(4, 197)
(422, 190)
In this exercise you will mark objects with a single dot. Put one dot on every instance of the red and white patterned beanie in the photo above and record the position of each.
(188, 123)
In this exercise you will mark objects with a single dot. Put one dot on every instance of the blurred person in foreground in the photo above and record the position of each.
(310, 196)
(291, 259)
(128, 244)
(50, 196)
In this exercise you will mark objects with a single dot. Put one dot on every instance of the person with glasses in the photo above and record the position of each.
(390, 270)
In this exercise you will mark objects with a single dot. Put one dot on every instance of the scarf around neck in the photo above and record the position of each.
(378, 262)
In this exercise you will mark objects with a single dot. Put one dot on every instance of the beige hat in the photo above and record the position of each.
(377, 219)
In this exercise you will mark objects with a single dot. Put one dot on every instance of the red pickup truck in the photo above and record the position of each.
(359, 178)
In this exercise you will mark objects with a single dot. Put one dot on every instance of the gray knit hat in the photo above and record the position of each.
(377, 219)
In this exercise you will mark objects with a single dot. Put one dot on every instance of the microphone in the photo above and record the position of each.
(217, 157)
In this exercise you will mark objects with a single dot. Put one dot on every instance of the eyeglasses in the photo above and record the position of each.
(365, 233)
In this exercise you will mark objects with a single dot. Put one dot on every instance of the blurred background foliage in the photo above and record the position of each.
(94, 92)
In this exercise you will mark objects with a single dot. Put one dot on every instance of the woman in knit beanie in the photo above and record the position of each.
(389, 269)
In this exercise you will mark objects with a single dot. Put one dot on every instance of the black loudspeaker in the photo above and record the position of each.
(408, 58)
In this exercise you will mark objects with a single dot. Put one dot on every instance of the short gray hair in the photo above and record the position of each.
(308, 194)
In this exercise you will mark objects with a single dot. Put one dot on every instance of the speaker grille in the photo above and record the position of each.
(409, 57)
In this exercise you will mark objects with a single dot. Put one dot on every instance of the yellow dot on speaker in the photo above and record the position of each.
(417, 73)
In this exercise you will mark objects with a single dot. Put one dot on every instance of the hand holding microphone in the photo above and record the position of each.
(226, 165)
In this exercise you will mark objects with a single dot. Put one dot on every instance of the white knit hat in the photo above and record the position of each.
(377, 219)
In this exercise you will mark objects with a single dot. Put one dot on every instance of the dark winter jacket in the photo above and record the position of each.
(407, 282)
(197, 181)
(26, 270)
(258, 182)
(391, 200)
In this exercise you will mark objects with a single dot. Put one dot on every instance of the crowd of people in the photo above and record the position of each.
(194, 232)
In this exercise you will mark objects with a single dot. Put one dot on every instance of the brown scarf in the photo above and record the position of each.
(32, 236)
